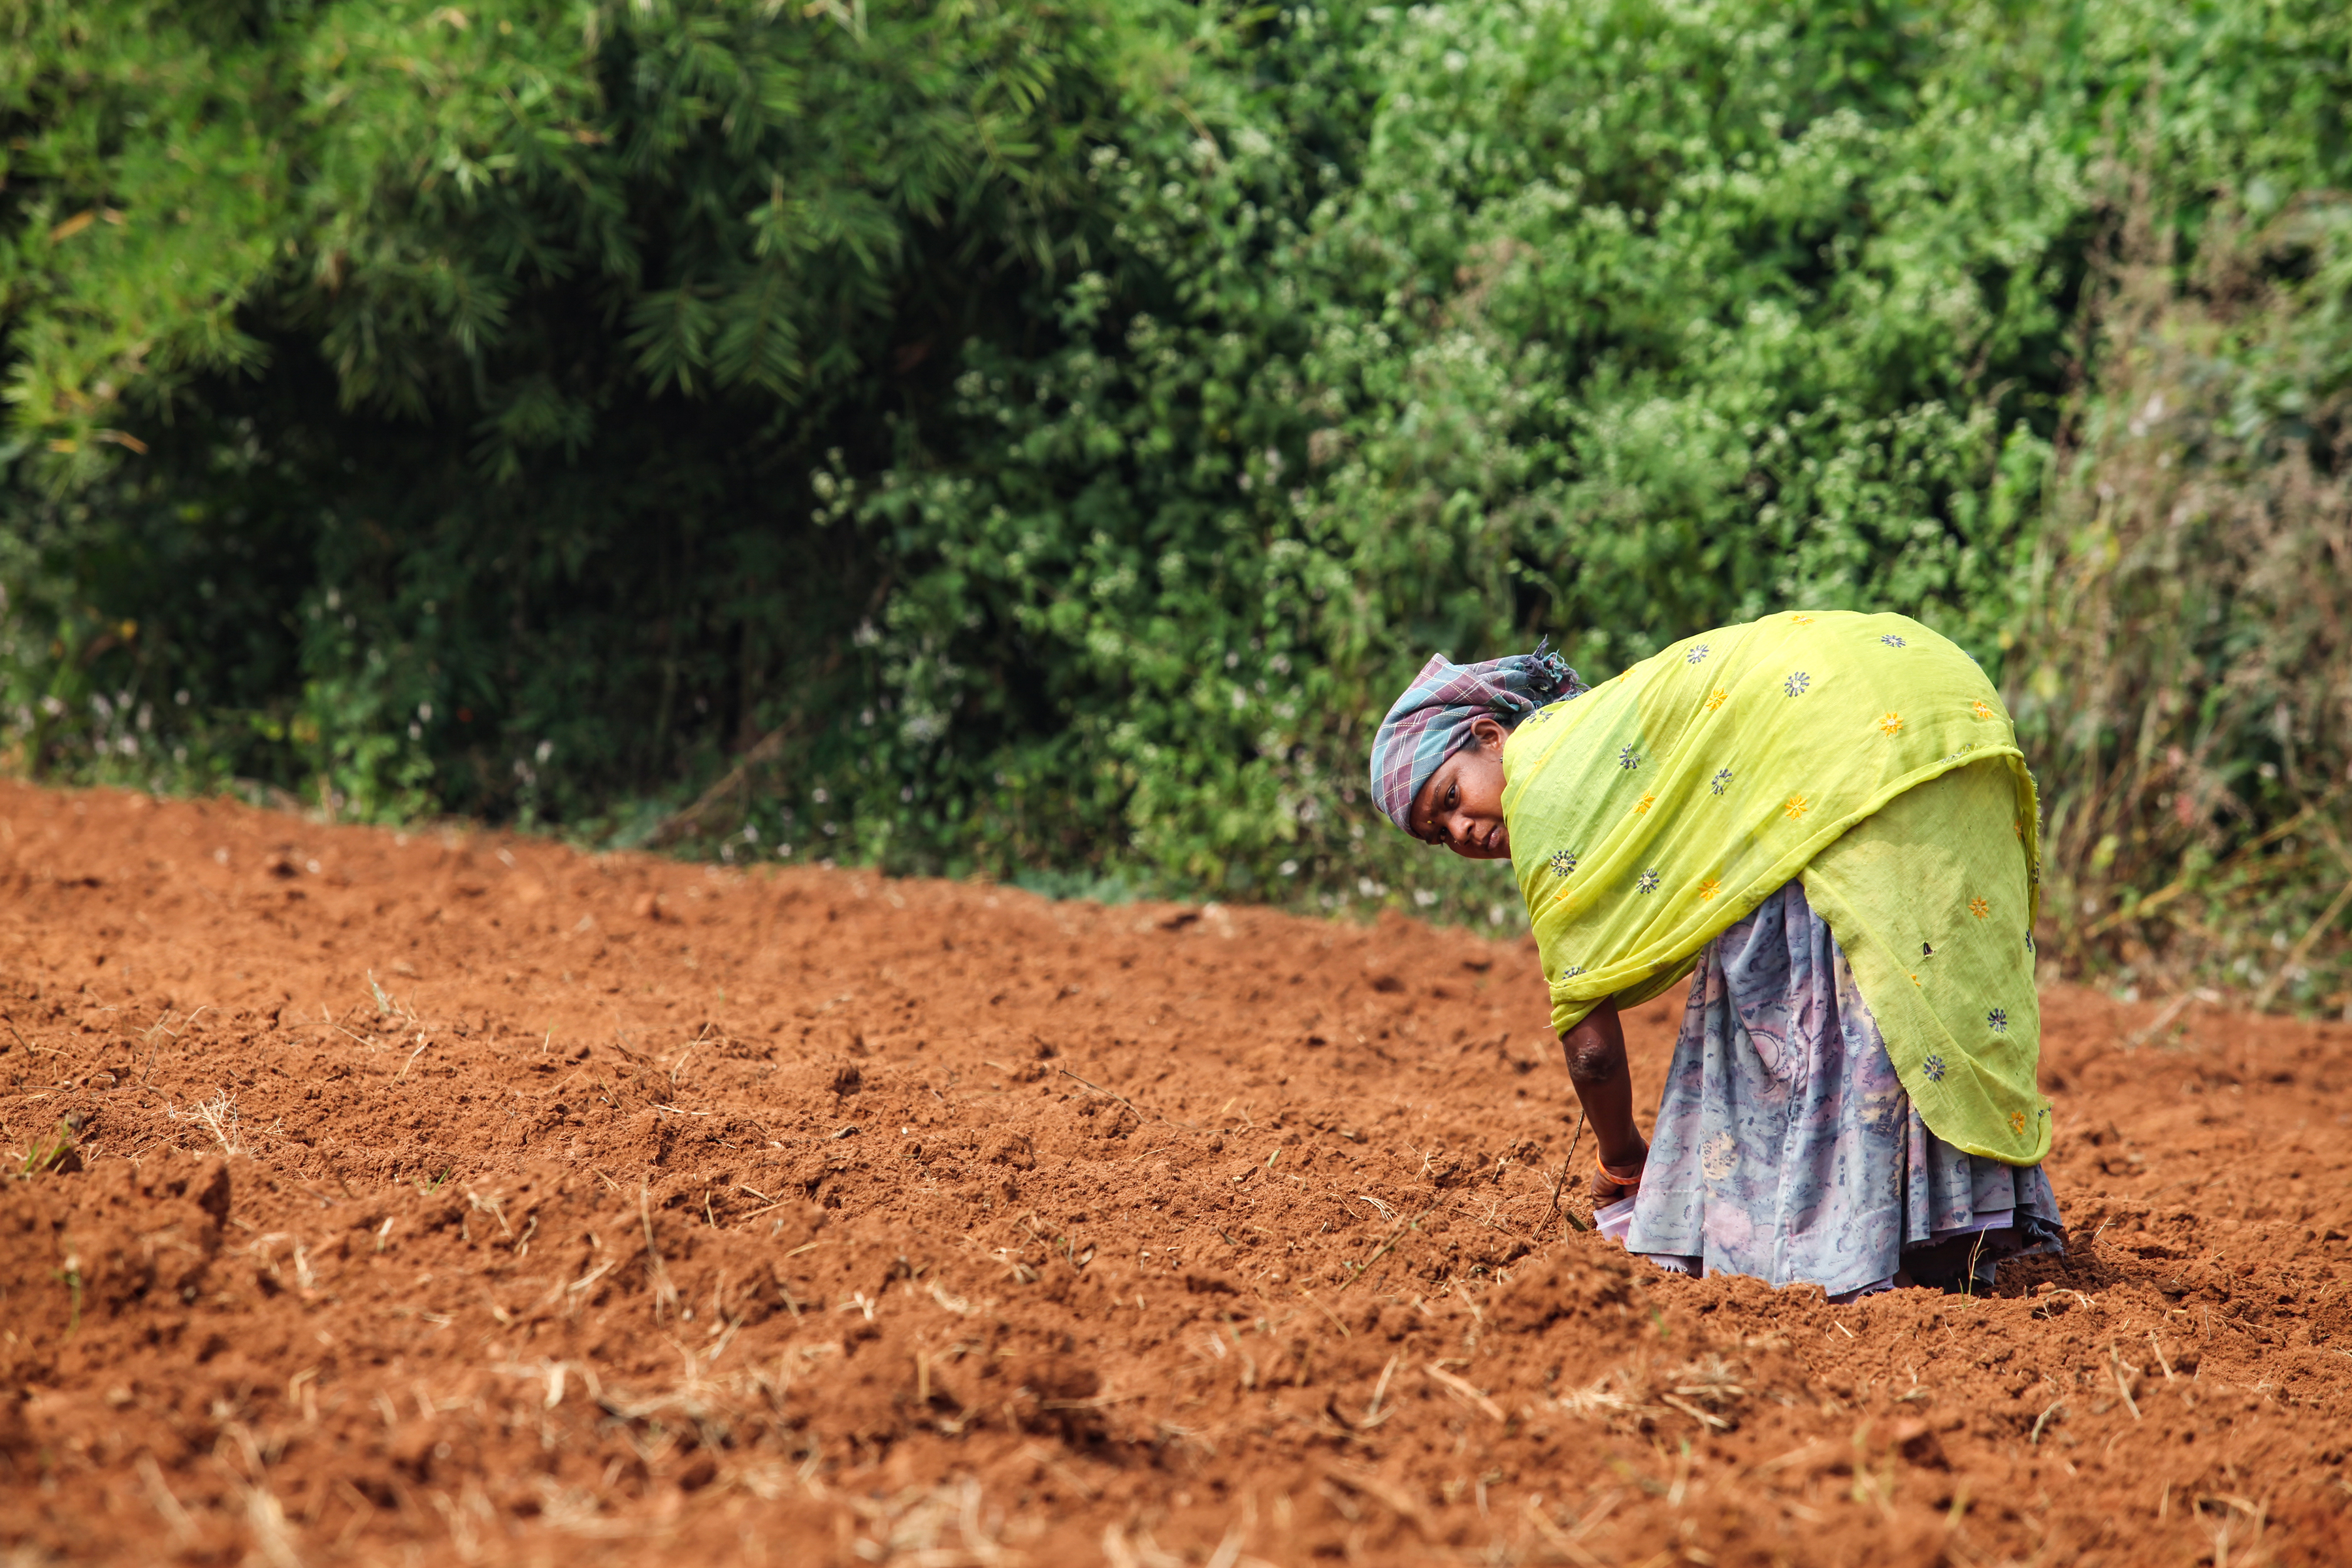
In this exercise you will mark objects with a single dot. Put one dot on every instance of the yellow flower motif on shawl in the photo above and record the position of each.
(1981, 709)
(1647, 801)
(1801, 620)
(1710, 887)
(1796, 808)
(1980, 908)
(1716, 698)
(1890, 723)
(2017, 1122)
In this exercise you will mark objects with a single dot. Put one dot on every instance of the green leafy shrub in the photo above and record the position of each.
(2189, 685)
(477, 358)
(1596, 324)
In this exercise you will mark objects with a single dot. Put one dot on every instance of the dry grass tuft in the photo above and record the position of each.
(218, 1116)
(1614, 1395)
(944, 1524)
(265, 1517)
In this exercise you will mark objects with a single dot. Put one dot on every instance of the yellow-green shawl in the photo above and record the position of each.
(1657, 809)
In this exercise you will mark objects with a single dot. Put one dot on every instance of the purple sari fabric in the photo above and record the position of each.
(1785, 1146)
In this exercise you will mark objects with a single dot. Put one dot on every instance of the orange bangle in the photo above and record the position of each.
(1632, 1181)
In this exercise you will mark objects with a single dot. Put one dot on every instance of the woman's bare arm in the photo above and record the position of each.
(1596, 1065)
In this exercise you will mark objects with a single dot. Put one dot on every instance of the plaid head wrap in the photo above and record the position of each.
(1431, 720)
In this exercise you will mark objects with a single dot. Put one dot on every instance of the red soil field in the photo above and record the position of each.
(451, 1197)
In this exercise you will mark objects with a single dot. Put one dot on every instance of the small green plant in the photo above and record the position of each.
(54, 1153)
(69, 1275)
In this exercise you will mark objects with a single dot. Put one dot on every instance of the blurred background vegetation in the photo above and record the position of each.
(1036, 438)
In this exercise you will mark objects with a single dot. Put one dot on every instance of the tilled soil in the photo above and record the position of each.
(452, 1198)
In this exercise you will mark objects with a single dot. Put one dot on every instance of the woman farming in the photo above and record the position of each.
(1827, 817)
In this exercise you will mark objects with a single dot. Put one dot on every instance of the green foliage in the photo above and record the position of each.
(536, 317)
(2190, 659)
(53, 1152)
(1039, 438)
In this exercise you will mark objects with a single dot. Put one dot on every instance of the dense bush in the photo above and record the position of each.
(2187, 678)
(1039, 438)
(475, 360)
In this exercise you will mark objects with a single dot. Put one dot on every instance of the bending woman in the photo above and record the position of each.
(1827, 817)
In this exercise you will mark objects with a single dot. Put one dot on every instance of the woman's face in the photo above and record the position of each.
(1461, 806)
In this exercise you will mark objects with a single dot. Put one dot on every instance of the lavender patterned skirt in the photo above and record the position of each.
(1786, 1148)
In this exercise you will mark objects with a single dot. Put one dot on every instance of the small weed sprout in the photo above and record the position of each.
(48, 1154)
(387, 1005)
(69, 1275)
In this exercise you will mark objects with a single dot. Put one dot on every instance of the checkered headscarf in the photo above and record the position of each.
(1431, 720)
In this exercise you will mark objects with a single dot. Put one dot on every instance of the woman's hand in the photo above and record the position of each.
(1606, 1189)
(1596, 1066)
